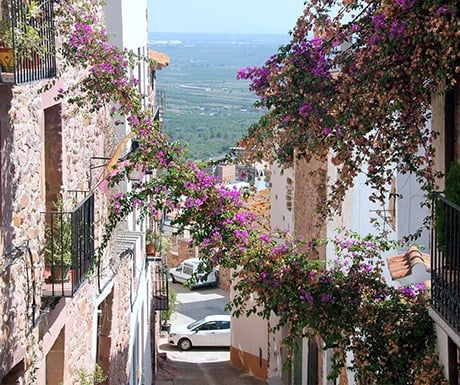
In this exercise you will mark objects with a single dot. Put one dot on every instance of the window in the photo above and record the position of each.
(209, 326)
(224, 324)
(289, 193)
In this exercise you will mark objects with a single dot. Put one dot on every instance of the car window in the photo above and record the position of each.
(188, 269)
(224, 324)
(195, 324)
(212, 325)
(179, 268)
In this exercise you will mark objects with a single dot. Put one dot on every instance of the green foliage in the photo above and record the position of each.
(97, 377)
(27, 40)
(58, 246)
(213, 118)
(452, 193)
(152, 237)
(161, 241)
(452, 190)
(172, 306)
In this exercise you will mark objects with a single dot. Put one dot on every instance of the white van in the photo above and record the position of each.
(193, 272)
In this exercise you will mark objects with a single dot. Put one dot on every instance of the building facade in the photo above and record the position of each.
(65, 311)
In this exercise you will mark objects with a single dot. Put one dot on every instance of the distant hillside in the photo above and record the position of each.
(205, 105)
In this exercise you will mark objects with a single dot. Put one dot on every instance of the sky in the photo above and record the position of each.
(229, 16)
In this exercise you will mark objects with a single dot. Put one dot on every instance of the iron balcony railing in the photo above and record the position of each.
(445, 261)
(69, 249)
(27, 41)
(157, 104)
(160, 287)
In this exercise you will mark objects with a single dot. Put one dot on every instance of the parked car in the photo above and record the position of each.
(213, 330)
(193, 272)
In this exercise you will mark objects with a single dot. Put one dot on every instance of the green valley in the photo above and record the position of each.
(206, 106)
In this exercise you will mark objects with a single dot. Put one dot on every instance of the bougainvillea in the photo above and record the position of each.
(355, 82)
(347, 304)
(210, 211)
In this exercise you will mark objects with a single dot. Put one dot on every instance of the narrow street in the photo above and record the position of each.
(200, 365)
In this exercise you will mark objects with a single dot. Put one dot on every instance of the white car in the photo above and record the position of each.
(193, 271)
(213, 330)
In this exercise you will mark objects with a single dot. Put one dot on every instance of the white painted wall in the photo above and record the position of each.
(280, 216)
(126, 23)
(410, 213)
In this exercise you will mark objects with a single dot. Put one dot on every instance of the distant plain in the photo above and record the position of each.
(206, 106)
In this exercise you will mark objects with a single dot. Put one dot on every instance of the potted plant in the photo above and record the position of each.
(151, 241)
(23, 36)
(58, 247)
(6, 40)
(166, 314)
(156, 242)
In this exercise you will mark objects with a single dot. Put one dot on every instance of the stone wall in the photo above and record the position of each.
(309, 193)
(24, 189)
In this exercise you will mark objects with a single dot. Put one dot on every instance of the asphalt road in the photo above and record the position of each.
(198, 366)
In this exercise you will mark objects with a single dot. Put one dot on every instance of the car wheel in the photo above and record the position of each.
(173, 279)
(184, 344)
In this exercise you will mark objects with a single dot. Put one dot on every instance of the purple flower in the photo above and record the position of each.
(265, 238)
(405, 4)
(398, 27)
(305, 109)
(326, 298)
(379, 22)
(408, 292)
(316, 42)
(305, 296)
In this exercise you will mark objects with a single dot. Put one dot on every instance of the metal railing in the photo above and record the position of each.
(160, 288)
(69, 249)
(157, 103)
(445, 261)
(32, 42)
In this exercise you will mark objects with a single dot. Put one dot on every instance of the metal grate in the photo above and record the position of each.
(31, 62)
(161, 290)
(445, 261)
(69, 250)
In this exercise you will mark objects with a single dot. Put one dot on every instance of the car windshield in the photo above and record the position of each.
(194, 324)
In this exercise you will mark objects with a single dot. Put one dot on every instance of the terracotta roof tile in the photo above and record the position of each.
(161, 59)
(401, 265)
(259, 204)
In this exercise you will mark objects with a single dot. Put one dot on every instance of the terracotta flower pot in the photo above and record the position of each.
(59, 273)
(6, 59)
(150, 249)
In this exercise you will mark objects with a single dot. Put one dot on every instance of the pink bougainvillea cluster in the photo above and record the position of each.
(355, 82)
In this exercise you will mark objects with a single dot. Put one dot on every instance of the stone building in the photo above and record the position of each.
(56, 329)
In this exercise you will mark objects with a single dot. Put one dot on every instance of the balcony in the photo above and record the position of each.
(160, 287)
(27, 41)
(157, 104)
(445, 263)
(69, 250)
